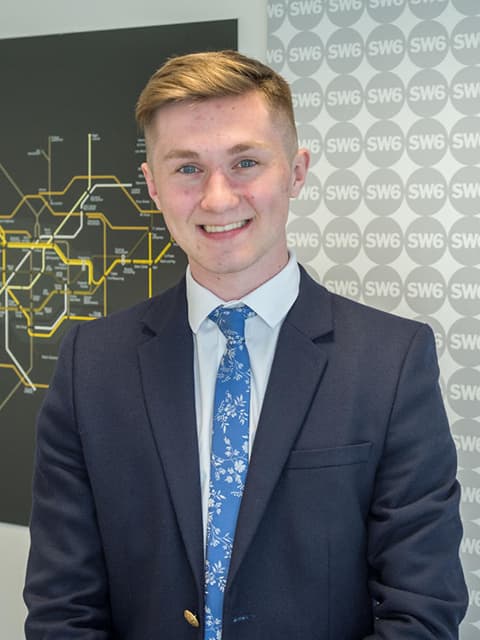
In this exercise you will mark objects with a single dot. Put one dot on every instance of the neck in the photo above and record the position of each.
(234, 286)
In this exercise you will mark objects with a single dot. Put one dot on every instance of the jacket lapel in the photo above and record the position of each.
(166, 364)
(296, 373)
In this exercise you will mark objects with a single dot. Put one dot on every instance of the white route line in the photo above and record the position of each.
(58, 320)
(4, 288)
(30, 286)
(7, 348)
(80, 202)
(15, 271)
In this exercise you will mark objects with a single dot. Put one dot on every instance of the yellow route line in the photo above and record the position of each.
(47, 245)
(22, 379)
(29, 287)
(91, 280)
(150, 274)
(28, 318)
(51, 245)
(41, 196)
(162, 253)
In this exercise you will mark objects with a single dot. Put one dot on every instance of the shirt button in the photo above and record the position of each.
(191, 618)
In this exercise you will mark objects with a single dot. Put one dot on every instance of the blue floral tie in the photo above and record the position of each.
(229, 459)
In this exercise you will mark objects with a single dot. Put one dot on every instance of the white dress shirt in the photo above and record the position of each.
(271, 302)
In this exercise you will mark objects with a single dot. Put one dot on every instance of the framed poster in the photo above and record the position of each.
(79, 236)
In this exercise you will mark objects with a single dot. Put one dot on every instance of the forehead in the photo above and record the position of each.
(249, 105)
(243, 117)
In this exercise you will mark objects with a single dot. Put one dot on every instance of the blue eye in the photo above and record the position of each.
(247, 163)
(188, 169)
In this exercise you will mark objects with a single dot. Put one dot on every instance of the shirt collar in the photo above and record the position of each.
(271, 301)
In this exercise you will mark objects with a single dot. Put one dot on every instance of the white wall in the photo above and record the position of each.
(56, 16)
(32, 18)
(14, 543)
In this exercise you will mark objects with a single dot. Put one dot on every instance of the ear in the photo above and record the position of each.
(152, 189)
(300, 166)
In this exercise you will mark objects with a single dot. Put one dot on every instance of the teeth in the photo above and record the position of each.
(211, 228)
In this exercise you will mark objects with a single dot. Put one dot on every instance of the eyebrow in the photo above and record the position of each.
(188, 154)
(181, 154)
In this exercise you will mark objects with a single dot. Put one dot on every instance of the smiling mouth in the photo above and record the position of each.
(213, 228)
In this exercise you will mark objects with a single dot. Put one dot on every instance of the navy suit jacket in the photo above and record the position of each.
(348, 527)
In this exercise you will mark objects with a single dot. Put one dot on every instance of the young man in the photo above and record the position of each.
(343, 518)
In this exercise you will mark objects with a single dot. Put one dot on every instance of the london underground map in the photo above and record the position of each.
(65, 253)
(79, 236)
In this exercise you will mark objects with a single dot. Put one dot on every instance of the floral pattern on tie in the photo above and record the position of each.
(229, 459)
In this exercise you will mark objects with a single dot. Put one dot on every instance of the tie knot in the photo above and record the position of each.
(231, 321)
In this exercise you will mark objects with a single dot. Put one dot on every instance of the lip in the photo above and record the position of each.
(231, 228)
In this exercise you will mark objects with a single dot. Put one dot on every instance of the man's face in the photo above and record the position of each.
(222, 173)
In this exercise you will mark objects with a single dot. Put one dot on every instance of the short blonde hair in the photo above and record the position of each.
(213, 74)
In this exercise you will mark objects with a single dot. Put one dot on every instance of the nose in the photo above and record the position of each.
(218, 193)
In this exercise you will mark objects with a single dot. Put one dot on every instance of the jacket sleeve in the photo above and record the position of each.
(416, 580)
(66, 589)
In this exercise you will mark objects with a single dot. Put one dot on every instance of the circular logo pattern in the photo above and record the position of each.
(385, 10)
(382, 288)
(427, 9)
(426, 240)
(427, 93)
(304, 237)
(380, 102)
(342, 192)
(342, 240)
(464, 241)
(464, 291)
(305, 53)
(467, 7)
(426, 191)
(428, 44)
(344, 50)
(384, 95)
(309, 138)
(383, 192)
(343, 145)
(383, 240)
(344, 14)
(465, 40)
(275, 53)
(276, 12)
(344, 281)
(309, 197)
(425, 290)
(464, 190)
(307, 97)
(305, 15)
(467, 443)
(463, 392)
(465, 90)
(427, 142)
(384, 143)
(344, 97)
(464, 342)
(465, 140)
(385, 47)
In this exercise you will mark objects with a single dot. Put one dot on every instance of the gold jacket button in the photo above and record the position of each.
(191, 618)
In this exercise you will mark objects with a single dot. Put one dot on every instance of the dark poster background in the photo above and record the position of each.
(67, 125)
